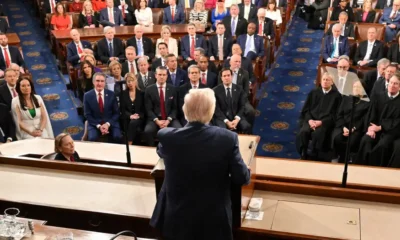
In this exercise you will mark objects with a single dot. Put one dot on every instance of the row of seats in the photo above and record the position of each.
(361, 30)
(378, 14)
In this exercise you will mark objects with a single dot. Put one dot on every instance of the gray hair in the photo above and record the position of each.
(201, 50)
(383, 61)
(193, 66)
(142, 59)
(199, 105)
(99, 74)
(345, 57)
(344, 13)
(106, 29)
(337, 25)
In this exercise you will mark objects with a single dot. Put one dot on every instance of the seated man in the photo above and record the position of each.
(50, 5)
(8, 91)
(110, 48)
(130, 64)
(344, 82)
(317, 118)
(173, 14)
(207, 77)
(101, 111)
(3, 25)
(252, 44)
(176, 76)
(8, 55)
(7, 126)
(127, 10)
(198, 52)
(161, 106)
(230, 104)
(381, 85)
(163, 50)
(142, 44)
(370, 51)
(374, 75)
(335, 45)
(220, 45)
(245, 63)
(145, 77)
(391, 19)
(264, 26)
(383, 127)
(192, 41)
(111, 16)
(234, 24)
(347, 27)
(248, 10)
(75, 49)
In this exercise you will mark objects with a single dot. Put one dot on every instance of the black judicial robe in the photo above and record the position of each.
(318, 106)
(383, 112)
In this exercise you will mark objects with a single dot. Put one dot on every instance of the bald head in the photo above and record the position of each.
(235, 62)
(75, 35)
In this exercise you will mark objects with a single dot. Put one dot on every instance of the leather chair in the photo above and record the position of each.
(362, 30)
(75, 19)
(158, 14)
(50, 156)
(378, 15)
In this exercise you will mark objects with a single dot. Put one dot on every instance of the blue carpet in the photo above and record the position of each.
(41, 63)
(283, 96)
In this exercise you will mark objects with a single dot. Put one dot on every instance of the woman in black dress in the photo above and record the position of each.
(344, 6)
(65, 149)
(88, 18)
(85, 82)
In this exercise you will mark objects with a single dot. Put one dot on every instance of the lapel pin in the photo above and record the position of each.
(106, 95)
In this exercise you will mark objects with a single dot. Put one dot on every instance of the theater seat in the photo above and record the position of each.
(157, 15)
(50, 156)
(75, 20)
(362, 30)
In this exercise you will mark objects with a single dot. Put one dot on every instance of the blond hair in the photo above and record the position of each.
(131, 77)
(165, 27)
(199, 105)
(58, 141)
(84, 8)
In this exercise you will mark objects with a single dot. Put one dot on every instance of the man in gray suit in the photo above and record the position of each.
(145, 77)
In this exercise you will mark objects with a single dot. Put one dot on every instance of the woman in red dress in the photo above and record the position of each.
(61, 20)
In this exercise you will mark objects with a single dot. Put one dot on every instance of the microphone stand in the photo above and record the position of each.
(346, 158)
(124, 120)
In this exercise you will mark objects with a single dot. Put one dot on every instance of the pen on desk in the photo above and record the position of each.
(251, 144)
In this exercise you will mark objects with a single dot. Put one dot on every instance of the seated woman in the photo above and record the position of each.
(342, 125)
(273, 13)
(133, 99)
(166, 38)
(29, 113)
(61, 20)
(198, 15)
(85, 81)
(366, 14)
(344, 6)
(114, 77)
(76, 6)
(92, 60)
(144, 15)
(65, 149)
(98, 5)
(218, 13)
(88, 18)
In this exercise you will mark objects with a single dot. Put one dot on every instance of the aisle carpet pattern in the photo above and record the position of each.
(41, 63)
(283, 96)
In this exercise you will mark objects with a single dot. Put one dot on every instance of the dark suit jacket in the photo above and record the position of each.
(370, 16)
(212, 216)
(378, 89)
(337, 10)
(138, 104)
(258, 44)
(128, 3)
(393, 53)
(382, 4)
(241, 27)
(211, 66)
(61, 157)
(336, 4)
(246, 65)
(147, 46)
(180, 79)
(16, 57)
(185, 44)
(151, 79)
(211, 79)
(125, 68)
(46, 5)
(83, 20)
(5, 96)
(179, 17)
(268, 27)
(152, 102)
(92, 111)
(369, 79)
(118, 20)
(252, 12)
(238, 102)
(376, 54)
(182, 91)
(348, 30)
(72, 52)
(6, 124)
(104, 54)
(154, 64)
(3, 25)
(242, 81)
(213, 46)
(344, 48)
(282, 3)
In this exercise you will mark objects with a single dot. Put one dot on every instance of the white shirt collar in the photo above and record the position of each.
(102, 93)
(158, 85)
(9, 87)
(371, 42)
(393, 96)
(201, 72)
(326, 91)
(197, 84)
(2, 47)
(170, 72)
(230, 87)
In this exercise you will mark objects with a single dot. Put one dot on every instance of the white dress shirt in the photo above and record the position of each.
(274, 15)
(369, 50)
(252, 45)
(195, 86)
(246, 11)
(393, 96)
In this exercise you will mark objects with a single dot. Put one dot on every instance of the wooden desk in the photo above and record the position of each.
(13, 39)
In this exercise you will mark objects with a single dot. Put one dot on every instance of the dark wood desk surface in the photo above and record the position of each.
(13, 39)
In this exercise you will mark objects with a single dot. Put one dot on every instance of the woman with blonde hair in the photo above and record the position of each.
(65, 148)
(366, 14)
(166, 38)
(88, 18)
(198, 15)
(218, 13)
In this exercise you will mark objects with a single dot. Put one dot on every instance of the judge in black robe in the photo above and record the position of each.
(383, 127)
(317, 118)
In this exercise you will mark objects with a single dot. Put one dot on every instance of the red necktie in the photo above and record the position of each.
(203, 79)
(173, 14)
(162, 104)
(123, 11)
(72, 159)
(192, 49)
(52, 6)
(7, 58)
(260, 30)
(101, 105)
(132, 69)
(79, 48)
(14, 92)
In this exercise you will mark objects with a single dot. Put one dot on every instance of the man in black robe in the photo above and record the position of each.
(383, 126)
(317, 118)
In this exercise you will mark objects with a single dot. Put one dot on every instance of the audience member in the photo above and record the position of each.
(218, 13)
(391, 19)
(246, 63)
(173, 14)
(264, 25)
(318, 13)
(61, 20)
(110, 48)
(382, 4)
(220, 45)
(29, 112)
(8, 91)
(49, 6)
(366, 14)
(207, 77)
(347, 27)
(130, 65)
(114, 79)
(142, 44)
(85, 81)
(234, 24)
(186, 4)
(161, 106)
(133, 99)
(101, 111)
(335, 45)
(88, 18)
(98, 5)
(166, 38)
(273, 13)
(199, 15)
(370, 51)
(252, 44)
(76, 6)
(176, 76)
(352, 3)
(75, 48)
(144, 15)
(111, 16)
(19, 70)
(92, 60)
(372, 76)
(145, 77)
(7, 125)
(127, 9)
(344, 6)
(198, 52)
(228, 3)
(381, 85)
(65, 148)
(191, 41)
(161, 61)
(8, 55)
(3, 25)
(248, 11)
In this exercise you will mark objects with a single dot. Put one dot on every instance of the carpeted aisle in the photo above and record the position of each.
(41, 63)
(286, 90)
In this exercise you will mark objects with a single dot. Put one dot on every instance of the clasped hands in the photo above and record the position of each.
(372, 130)
(314, 124)
(346, 131)
(134, 116)
(104, 129)
(162, 123)
(232, 124)
(37, 133)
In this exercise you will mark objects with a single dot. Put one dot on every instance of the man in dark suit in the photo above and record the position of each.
(264, 26)
(176, 76)
(198, 52)
(9, 54)
(230, 104)
(234, 24)
(372, 76)
(75, 48)
(173, 14)
(145, 77)
(142, 44)
(347, 27)
(3, 25)
(220, 45)
(215, 165)
(130, 64)
(163, 50)
(246, 63)
(369, 52)
(101, 111)
(49, 5)
(110, 48)
(248, 11)
(111, 15)
(335, 45)
(186, 3)
(207, 77)
(127, 10)
(7, 126)
(381, 85)
(191, 41)
(7, 90)
(382, 4)
(391, 19)
(161, 102)
(252, 44)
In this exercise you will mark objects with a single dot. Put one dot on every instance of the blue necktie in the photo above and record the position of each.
(334, 48)
(173, 78)
(248, 44)
(140, 48)
(110, 49)
(233, 27)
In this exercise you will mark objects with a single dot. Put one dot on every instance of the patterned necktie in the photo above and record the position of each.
(260, 30)
(220, 48)
(14, 92)
(233, 26)
(145, 81)
(203, 78)
(101, 104)
(162, 104)
(72, 159)
(192, 48)
(393, 15)
(132, 68)
(7, 58)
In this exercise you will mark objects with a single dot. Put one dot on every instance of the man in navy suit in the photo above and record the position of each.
(75, 48)
(7, 90)
(391, 18)
(252, 44)
(8, 55)
(370, 51)
(182, 213)
(234, 24)
(220, 41)
(127, 10)
(101, 111)
(110, 48)
(111, 14)
(335, 45)
(191, 41)
(248, 11)
(207, 77)
(173, 14)
(142, 44)
(176, 76)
